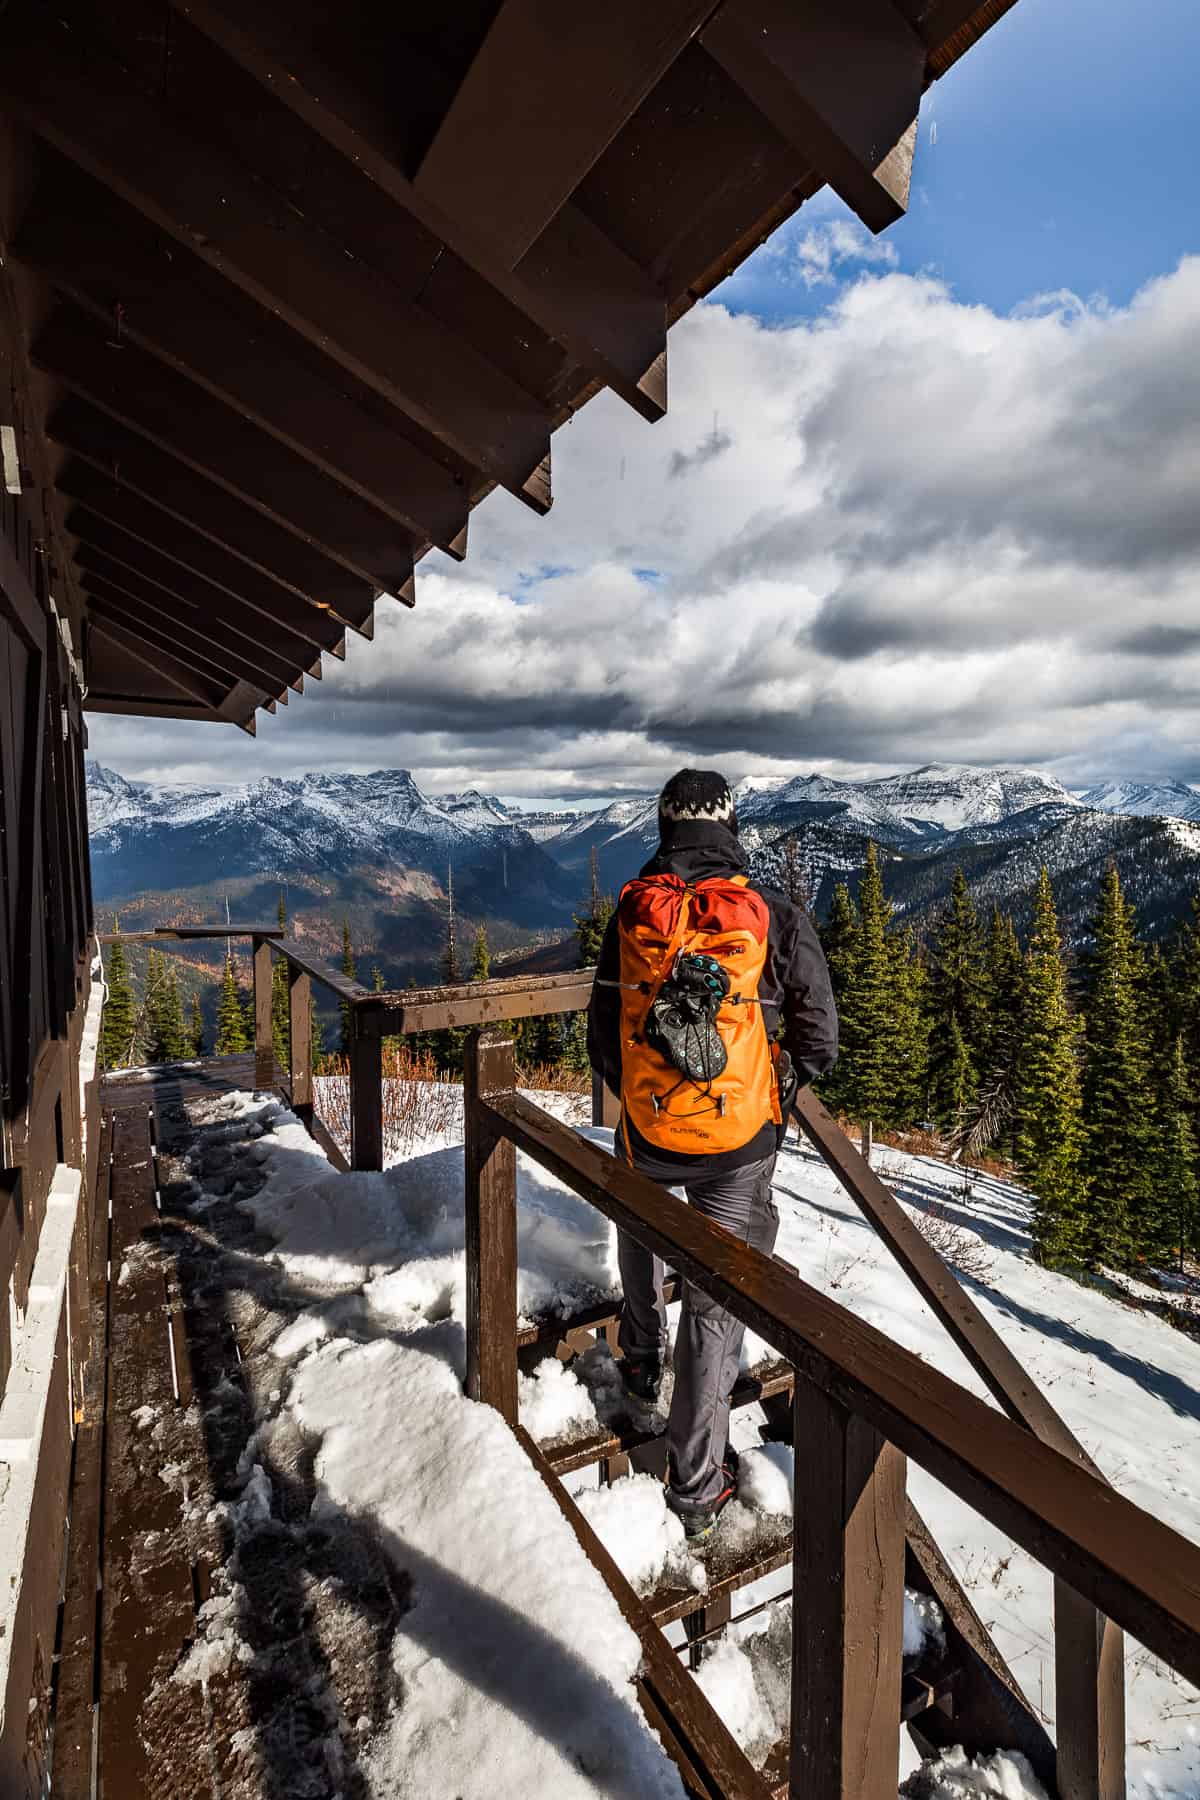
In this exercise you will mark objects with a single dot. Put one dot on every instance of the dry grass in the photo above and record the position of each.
(966, 1253)
(422, 1102)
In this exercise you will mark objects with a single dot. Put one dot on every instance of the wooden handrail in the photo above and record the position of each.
(188, 933)
(1125, 1561)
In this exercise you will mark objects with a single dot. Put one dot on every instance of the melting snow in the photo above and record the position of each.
(492, 1690)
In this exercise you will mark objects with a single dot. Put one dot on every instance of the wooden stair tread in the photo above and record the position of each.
(567, 1454)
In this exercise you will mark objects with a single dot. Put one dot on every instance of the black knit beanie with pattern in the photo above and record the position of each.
(699, 795)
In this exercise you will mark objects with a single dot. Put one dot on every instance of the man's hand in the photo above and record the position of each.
(789, 1083)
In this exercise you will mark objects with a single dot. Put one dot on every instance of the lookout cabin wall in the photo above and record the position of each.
(49, 1029)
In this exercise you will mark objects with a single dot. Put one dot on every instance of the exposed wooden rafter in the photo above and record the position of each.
(96, 116)
(144, 523)
(224, 627)
(207, 435)
(842, 83)
(540, 103)
(190, 647)
(116, 451)
(109, 262)
(573, 281)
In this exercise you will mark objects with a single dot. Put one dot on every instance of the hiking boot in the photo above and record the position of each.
(642, 1377)
(699, 1522)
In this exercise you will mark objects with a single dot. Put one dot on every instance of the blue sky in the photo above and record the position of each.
(1065, 158)
(897, 512)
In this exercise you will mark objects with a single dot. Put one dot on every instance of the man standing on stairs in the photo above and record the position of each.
(712, 1005)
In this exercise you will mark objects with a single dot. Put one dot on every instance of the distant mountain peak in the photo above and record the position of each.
(1159, 798)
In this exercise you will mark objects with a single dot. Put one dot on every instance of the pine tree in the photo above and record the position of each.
(1116, 1089)
(350, 971)
(592, 923)
(868, 1018)
(839, 937)
(231, 1019)
(991, 1117)
(1049, 1114)
(451, 974)
(281, 1018)
(481, 957)
(793, 879)
(166, 1032)
(117, 1030)
(573, 1054)
(196, 1027)
(1176, 1209)
(956, 1009)
(910, 1031)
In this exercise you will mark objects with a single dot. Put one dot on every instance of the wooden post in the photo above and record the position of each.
(868, 1139)
(264, 1041)
(848, 1596)
(606, 1108)
(366, 1090)
(300, 1042)
(1089, 1677)
(491, 1228)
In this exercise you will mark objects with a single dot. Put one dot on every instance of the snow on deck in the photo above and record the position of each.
(511, 1664)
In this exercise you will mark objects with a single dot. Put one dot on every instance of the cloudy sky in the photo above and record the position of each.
(929, 496)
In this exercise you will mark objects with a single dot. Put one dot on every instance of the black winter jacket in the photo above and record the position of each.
(794, 988)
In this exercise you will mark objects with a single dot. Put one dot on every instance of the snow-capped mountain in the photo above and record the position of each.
(316, 825)
(1144, 799)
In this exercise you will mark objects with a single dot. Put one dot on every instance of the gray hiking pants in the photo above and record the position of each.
(709, 1341)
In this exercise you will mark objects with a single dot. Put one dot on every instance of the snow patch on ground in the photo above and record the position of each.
(956, 1776)
(370, 1362)
(640, 1532)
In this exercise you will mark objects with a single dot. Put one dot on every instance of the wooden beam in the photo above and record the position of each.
(842, 83)
(194, 646)
(848, 1588)
(1122, 1559)
(366, 1095)
(547, 92)
(491, 1227)
(113, 263)
(145, 572)
(574, 282)
(127, 457)
(207, 693)
(140, 522)
(207, 435)
(97, 116)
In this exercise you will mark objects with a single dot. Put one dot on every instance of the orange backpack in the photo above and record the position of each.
(661, 918)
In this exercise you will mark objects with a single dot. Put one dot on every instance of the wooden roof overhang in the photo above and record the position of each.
(288, 287)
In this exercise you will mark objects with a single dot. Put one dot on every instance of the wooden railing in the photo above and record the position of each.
(862, 1404)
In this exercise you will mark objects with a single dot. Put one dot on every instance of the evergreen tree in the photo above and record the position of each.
(1176, 1210)
(117, 1030)
(573, 1054)
(793, 880)
(231, 1019)
(990, 1119)
(910, 1031)
(956, 1009)
(591, 924)
(839, 937)
(166, 1032)
(1049, 1118)
(1116, 1090)
(350, 971)
(451, 973)
(281, 1019)
(481, 957)
(196, 1026)
(868, 1018)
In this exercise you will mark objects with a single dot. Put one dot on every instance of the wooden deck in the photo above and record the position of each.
(183, 1307)
(165, 1395)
